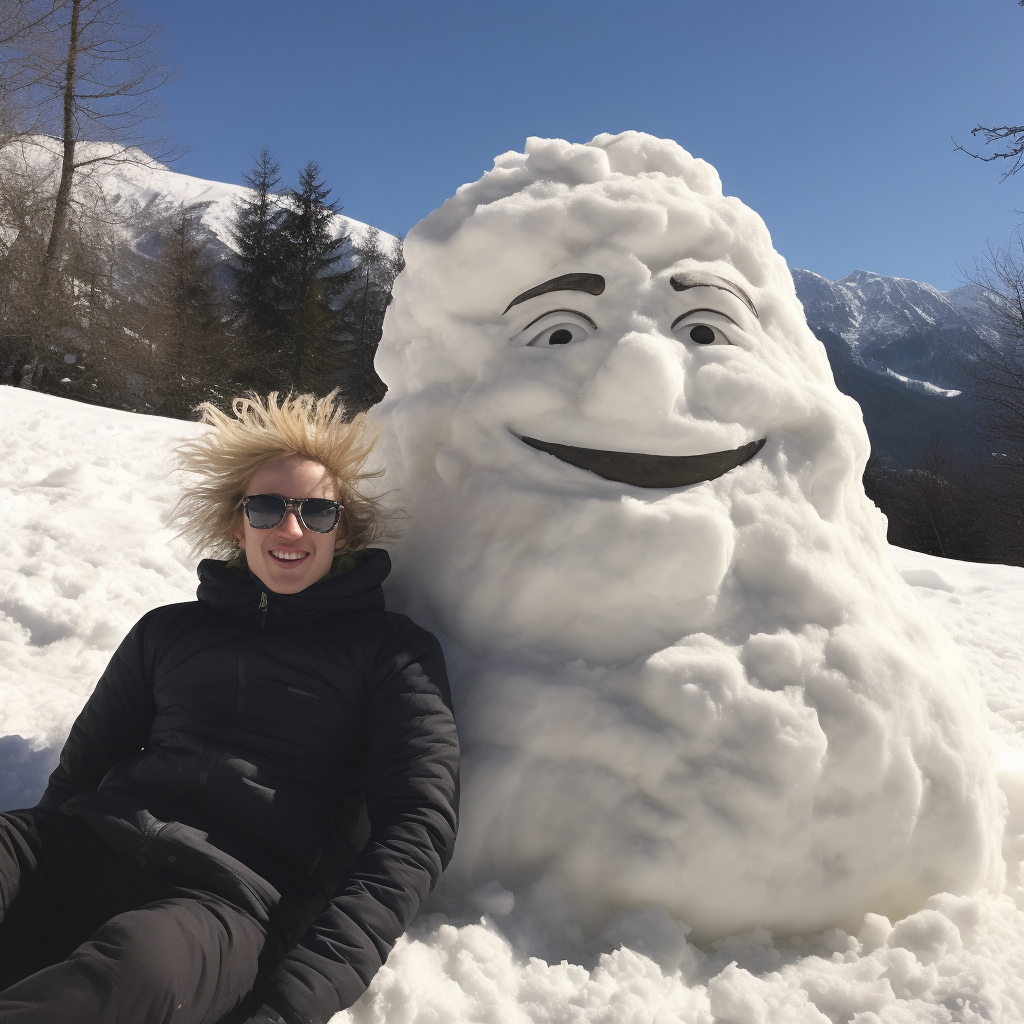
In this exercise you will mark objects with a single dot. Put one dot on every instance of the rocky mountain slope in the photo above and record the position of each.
(904, 350)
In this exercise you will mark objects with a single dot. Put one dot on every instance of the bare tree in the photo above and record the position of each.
(81, 70)
(79, 336)
(71, 71)
(996, 379)
(187, 324)
(1012, 135)
(22, 36)
(998, 375)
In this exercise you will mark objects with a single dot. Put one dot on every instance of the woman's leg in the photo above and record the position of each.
(42, 857)
(188, 959)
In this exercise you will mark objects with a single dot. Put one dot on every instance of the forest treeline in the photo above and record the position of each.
(142, 314)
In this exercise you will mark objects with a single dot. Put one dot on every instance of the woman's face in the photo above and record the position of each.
(288, 558)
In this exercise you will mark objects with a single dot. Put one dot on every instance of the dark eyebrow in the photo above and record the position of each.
(575, 312)
(690, 312)
(702, 280)
(592, 284)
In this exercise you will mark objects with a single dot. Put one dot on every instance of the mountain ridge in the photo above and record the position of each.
(129, 181)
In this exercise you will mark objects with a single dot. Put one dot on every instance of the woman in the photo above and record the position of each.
(193, 857)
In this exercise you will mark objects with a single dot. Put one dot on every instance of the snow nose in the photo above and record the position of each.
(640, 380)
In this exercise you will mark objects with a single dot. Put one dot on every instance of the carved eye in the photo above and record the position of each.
(703, 334)
(700, 333)
(559, 334)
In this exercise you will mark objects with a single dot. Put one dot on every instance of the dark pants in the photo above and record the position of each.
(89, 937)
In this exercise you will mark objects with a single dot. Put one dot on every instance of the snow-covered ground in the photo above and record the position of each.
(85, 552)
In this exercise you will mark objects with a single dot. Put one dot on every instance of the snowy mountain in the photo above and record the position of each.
(898, 324)
(127, 183)
(903, 350)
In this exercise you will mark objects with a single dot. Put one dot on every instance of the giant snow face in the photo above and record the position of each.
(686, 673)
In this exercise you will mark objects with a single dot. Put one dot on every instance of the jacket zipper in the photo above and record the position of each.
(240, 694)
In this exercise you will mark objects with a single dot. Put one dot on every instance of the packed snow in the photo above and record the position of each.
(85, 492)
(717, 698)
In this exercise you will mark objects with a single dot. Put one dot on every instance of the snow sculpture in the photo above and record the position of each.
(685, 671)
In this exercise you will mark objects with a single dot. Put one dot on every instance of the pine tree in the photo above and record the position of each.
(256, 231)
(313, 281)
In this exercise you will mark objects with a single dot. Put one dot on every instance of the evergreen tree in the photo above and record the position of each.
(313, 282)
(256, 231)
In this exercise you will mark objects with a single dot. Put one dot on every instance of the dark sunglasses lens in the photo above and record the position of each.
(264, 511)
(319, 514)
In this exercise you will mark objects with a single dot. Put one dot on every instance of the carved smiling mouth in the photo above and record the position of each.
(649, 470)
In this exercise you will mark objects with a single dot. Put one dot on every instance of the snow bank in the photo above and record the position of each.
(84, 492)
(717, 698)
(85, 553)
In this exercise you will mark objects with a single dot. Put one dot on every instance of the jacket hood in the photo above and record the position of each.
(234, 590)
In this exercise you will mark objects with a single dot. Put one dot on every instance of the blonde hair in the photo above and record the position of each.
(262, 430)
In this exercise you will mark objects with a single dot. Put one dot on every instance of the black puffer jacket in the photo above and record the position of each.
(235, 738)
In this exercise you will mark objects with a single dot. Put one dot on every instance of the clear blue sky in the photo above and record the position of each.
(831, 119)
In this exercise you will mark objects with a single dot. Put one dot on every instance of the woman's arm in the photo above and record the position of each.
(113, 725)
(412, 799)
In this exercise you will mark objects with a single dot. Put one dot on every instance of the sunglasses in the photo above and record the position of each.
(265, 511)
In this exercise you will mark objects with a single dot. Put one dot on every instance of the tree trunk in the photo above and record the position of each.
(62, 206)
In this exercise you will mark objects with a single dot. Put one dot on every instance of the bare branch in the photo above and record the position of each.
(117, 75)
(1000, 133)
(1004, 132)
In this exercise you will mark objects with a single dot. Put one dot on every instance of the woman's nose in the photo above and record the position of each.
(290, 525)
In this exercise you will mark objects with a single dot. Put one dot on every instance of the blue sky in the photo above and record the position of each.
(832, 119)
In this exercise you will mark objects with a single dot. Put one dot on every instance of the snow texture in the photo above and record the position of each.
(84, 493)
(718, 699)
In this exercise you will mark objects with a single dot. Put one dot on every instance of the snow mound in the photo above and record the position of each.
(85, 492)
(715, 697)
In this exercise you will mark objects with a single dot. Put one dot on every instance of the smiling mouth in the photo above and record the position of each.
(288, 556)
(649, 470)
